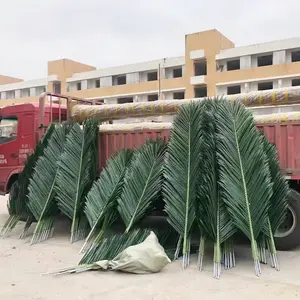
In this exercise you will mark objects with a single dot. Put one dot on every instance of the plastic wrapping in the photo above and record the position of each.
(148, 126)
(168, 107)
(143, 126)
(146, 257)
(278, 118)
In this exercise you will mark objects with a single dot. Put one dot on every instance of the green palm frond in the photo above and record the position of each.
(213, 218)
(278, 200)
(182, 171)
(41, 188)
(113, 245)
(101, 200)
(281, 190)
(107, 250)
(17, 205)
(244, 172)
(142, 183)
(76, 173)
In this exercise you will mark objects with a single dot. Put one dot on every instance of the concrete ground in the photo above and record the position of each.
(21, 266)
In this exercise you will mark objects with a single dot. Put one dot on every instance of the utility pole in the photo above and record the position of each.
(159, 82)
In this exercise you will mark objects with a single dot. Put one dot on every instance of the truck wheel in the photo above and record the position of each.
(287, 236)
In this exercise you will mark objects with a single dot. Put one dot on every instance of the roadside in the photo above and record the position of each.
(21, 266)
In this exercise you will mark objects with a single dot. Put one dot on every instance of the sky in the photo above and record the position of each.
(105, 33)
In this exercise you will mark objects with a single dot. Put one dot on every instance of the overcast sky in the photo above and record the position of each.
(106, 33)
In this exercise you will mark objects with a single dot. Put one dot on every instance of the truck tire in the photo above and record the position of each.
(287, 236)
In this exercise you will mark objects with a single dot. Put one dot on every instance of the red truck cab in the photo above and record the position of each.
(20, 131)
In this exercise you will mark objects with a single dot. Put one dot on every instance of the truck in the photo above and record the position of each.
(29, 122)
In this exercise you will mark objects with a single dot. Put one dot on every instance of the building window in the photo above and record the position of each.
(233, 65)
(97, 83)
(125, 100)
(57, 87)
(232, 90)
(177, 73)
(295, 56)
(178, 95)
(265, 86)
(153, 97)
(200, 68)
(78, 86)
(265, 60)
(296, 82)
(152, 76)
(120, 80)
(200, 92)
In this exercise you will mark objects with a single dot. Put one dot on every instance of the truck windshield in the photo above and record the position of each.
(8, 129)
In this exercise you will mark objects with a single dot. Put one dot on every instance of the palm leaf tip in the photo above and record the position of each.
(76, 173)
(101, 201)
(181, 171)
(244, 174)
(142, 182)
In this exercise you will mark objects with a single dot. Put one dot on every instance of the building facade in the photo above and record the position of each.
(211, 65)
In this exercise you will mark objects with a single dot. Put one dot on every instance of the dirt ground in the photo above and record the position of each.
(21, 266)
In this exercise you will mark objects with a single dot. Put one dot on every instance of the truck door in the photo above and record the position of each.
(26, 138)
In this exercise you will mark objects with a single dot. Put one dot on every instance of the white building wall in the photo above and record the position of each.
(17, 93)
(132, 78)
(221, 90)
(279, 57)
(32, 92)
(245, 62)
(84, 85)
(91, 83)
(106, 81)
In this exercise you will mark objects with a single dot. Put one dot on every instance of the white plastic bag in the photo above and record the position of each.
(146, 257)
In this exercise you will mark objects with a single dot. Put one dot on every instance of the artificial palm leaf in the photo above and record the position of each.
(244, 172)
(213, 218)
(76, 173)
(142, 183)
(101, 200)
(107, 250)
(113, 245)
(181, 173)
(17, 205)
(41, 188)
(278, 200)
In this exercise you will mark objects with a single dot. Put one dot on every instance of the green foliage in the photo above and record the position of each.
(41, 188)
(213, 218)
(244, 172)
(76, 173)
(181, 172)
(142, 183)
(18, 199)
(112, 246)
(101, 201)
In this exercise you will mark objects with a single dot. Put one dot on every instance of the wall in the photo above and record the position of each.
(127, 89)
(7, 79)
(65, 68)
(212, 42)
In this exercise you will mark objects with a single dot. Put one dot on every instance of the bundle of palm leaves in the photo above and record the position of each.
(217, 174)
(231, 182)
(18, 198)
